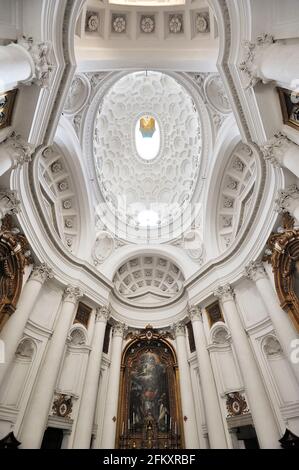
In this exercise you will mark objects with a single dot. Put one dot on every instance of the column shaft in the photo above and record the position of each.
(91, 382)
(262, 414)
(36, 417)
(212, 409)
(110, 419)
(187, 399)
(14, 327)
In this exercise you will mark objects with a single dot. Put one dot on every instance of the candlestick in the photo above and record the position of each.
(129, 424)
(123, 428)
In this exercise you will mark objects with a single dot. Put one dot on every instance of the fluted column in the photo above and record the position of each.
(283, 326)
(13, 329)
(263, 59)
(91, 382)
(36, 417)
(110, 419)
(24, 63)
(281, 151)
(212, 408)
(262, 414)
(187, 399)
(288, 201)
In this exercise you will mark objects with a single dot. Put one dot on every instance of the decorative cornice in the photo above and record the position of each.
(119, 329)
(275, 148)
(40, 55)
(252, 50)
(179, 329)
(194, 313)
(255, 270)
(103, 314)
(224, 293)
(9, 202)
(72, 294)
(287, 198)
(41, 273)
(19, 151)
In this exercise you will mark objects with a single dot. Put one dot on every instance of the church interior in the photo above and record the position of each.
(149, 224)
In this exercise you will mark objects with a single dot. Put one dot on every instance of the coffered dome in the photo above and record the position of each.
(147, 149)
(148, 280)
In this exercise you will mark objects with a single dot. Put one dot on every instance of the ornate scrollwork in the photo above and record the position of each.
(284, 258)
(236, 404)
(62, 405)
(14, 256)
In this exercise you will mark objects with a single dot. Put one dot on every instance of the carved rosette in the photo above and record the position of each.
(179, 329)
(224, 293)
(194, 313)
(255, 270)
(40, 55)
(274, 150)
(119, 329)
(236, 404)
(252, 54)
(72, 294)
(41, 273)
(103, 314)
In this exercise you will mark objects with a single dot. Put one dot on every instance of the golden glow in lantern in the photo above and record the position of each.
(147, 126)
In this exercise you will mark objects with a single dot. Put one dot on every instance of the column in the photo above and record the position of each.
(14, 151)
(14, 328)
(262, 414)
(187, 399)
(89, 395)
(212, 408)
(280, 319)
(281, 151)
(36, 417)
(24, 63)
(288, 201)
(263, 59)
(110, 419)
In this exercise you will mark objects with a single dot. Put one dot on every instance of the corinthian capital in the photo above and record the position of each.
(288, 199)
(179, 329)
(224, 293)
(275, 148)
(255, 270)
(41, 273)
(9, 203)
(72, 294)
(18, 150)
(253, 51)
(40, 55)
(103, 314)
(194, 313)
(119, 329)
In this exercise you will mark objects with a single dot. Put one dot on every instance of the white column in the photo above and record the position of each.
(24, 63)
(262, 414)
(288, 201)
(110, 419)
(36, 417)
(212, 408)
(263, 61)
(187, 399)
(281, 151)
(284, 328)
(89, 395)
(14, 328)
(14, 151)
